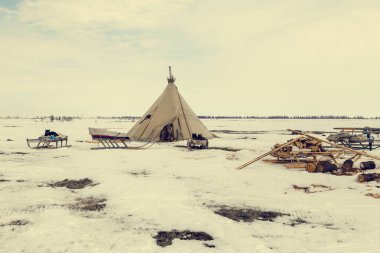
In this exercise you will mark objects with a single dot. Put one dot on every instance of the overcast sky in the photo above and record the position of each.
(243, 57)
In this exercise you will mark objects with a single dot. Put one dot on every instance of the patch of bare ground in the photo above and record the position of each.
(226, 149)
(62, 156)
(295, 132)
(139, 173)
(215, 148)
(19, 153)
(88, 204)
(322, 132)
(14, 153)
(238, 132)
(247, 214)
(15, 223)
(73, 184)
(373, 195)
(247, 138)
(313, 188)
(231, 157)
(165, 238)
(185, 178)
(7, 180)
(297, 221)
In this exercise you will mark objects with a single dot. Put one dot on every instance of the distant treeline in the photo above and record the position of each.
(70, 118)
(287, 117)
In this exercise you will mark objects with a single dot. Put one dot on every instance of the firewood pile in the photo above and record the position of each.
(311, 153)
(316, 156)
(368, 177)
(300, 148)
(345, 169)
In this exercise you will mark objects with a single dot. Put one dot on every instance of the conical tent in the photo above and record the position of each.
(171, 116)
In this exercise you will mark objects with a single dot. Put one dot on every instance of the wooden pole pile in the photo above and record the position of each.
(303, 135)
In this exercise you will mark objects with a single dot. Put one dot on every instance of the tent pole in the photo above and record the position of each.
(183, 112)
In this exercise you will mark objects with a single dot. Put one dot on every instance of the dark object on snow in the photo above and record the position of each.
(167, 133)
(347, 169)
(88, 204)
(326, 166)
(73, 184)
(370, 165)
(209, 245)
(165, 238)
(18, 223)
(195, 136)
(347, 165)
(313, 188)
(197, 141)
(50, 133)
(247, 215)
(15, 223)
(368, 177)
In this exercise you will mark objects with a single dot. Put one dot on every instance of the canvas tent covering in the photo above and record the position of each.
(169, 113)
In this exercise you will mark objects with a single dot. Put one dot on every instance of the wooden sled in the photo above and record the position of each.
(48, 142)
(111, 143)
(108, 139)
(356, 138)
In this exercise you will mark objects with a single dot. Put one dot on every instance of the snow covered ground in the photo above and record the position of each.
(166, 187)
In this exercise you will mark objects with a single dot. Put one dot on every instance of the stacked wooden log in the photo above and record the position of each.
(311, 167)
(368, 177)
(283, 153)
(326, 166)
(347, 167)
(370, 165)
(301, 144)
(311, 144)
(320, 167)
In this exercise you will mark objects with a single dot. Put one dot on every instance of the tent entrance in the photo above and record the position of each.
(168, 134)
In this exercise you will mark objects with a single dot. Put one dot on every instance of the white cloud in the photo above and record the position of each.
(264, 57)
(99, 14)
(5, 11)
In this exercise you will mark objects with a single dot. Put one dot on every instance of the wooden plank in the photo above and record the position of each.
(295, 165)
